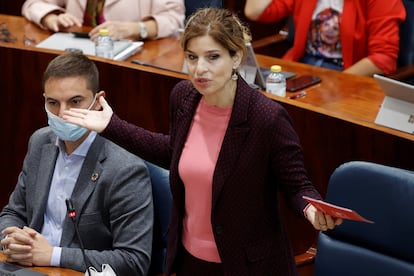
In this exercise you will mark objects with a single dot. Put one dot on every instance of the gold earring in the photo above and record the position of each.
(234, 76)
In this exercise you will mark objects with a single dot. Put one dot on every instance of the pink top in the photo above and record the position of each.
(196, 168)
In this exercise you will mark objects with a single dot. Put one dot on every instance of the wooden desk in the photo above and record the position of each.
(335, 121)
(51, 271)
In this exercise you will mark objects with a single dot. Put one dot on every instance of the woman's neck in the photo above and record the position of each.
(225, 98)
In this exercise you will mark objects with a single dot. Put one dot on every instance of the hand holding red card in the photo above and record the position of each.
(336, 211)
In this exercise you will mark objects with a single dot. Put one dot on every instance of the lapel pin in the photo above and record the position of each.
(94, 177)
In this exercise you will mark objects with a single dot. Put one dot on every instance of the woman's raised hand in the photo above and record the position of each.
(92, 119)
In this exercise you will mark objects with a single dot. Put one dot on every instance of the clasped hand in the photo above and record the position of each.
(26, 246)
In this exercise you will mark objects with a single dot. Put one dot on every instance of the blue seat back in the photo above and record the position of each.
(162, 200)
(384, 195)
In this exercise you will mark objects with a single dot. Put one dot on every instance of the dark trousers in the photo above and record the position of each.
(334, 64)
(188, 265)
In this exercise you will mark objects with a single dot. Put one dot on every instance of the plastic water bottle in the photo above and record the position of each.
(276, 82)
(104, 46)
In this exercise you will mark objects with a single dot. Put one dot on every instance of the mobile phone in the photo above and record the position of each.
(301, 82)
(81, 34)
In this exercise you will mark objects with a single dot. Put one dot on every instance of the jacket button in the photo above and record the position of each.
(218, 230)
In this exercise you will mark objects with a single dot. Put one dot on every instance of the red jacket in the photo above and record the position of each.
(369, 28)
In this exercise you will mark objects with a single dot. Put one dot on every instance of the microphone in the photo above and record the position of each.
(72, 215)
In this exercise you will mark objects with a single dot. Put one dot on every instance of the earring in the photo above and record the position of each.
(234, 76)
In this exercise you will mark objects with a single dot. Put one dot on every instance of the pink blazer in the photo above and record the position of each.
(169, 14)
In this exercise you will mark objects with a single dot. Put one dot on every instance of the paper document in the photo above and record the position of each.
(62, 41)
(129, 51)
(336, 211)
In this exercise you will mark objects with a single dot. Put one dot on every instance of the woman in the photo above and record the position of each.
(229, 150)
(368, 31)
(136, 20)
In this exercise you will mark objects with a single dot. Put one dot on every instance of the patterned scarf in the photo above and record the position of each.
(94, 13)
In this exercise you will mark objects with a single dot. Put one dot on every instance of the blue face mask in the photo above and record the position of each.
(64, 130)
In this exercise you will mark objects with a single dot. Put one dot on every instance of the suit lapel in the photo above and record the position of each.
(350, 13)
(303, 12)
(85, 185)
(44, 178)
(233, 139)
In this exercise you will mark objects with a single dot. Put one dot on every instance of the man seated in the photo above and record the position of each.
(109, 188)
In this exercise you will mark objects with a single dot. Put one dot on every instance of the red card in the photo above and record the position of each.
(336, 211)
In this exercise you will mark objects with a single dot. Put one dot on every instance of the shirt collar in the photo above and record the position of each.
(82, 149)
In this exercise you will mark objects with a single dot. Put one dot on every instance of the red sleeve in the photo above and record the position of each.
(276, 11)
(384, 17)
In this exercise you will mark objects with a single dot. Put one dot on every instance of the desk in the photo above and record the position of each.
(51, 271)
(335, 121)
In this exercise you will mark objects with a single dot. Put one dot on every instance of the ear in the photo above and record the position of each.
(98, 96)
(237, 58)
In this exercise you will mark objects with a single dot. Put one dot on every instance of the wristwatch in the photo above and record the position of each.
(143, 33)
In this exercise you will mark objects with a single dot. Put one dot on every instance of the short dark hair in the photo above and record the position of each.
(73, 65)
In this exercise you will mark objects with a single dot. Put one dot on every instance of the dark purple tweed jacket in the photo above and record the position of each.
(260, 156)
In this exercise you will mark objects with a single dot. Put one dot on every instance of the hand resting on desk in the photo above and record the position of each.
(57, 22)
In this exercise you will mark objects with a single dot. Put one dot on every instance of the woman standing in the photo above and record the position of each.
(230, 150)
